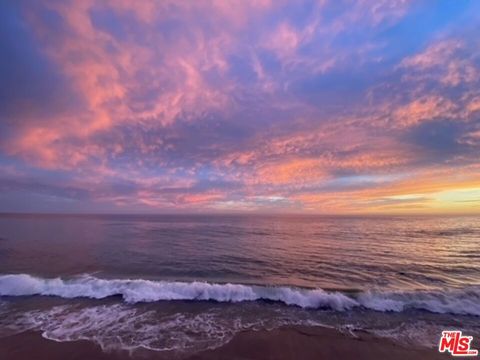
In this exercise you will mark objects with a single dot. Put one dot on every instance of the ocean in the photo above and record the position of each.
(179, 284)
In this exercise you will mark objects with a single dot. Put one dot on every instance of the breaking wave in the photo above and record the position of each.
(459, 301)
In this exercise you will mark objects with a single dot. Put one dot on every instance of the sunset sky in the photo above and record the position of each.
(221, 106)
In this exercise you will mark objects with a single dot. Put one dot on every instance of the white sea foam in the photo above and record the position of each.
(466, 302)
(121, 326)
(416, 333)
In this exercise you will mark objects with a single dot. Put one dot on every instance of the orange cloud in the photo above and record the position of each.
(417, 192)
(423, 109)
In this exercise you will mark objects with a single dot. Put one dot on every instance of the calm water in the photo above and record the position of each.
(185, 283)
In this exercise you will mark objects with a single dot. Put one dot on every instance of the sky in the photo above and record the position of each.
(328, 106)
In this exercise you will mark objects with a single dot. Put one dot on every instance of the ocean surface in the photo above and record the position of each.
(181, 284)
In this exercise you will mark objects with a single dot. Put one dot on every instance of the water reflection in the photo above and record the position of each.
(327, 252)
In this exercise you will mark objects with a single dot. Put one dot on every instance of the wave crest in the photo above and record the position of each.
(459, 301)
(134, 291)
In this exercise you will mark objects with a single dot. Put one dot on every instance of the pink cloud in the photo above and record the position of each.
(443, 61)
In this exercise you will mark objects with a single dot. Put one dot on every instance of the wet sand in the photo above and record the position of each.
(302, 342)
(31, 346)
(293, 342)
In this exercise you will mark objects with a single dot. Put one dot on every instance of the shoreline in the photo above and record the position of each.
(288, 342)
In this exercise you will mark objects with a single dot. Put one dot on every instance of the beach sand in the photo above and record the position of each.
(293, 342)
